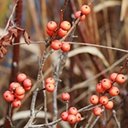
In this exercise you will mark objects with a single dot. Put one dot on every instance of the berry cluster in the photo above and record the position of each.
(83, 12)
(16, 91)
(72, 115)
(50, 84)
(107, 89)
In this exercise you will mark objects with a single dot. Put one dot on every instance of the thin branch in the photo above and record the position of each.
(95, 121)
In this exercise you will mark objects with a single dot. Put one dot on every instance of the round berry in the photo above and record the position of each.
(113, 76)
(97, 111)
(82, 17)
(19, 90)
(65, 25)
(49, 32)
(114, 91)
(73, 110)
(103, 100)
(8, 96)
(109, 105)
(52, 25)
(71, 119)
(106, 84)
(61, 32)
(27, 88)
(65, 96)
(13, 86)
(94, 99)
(20, 97)
(56, 45)
(50, 80)
(64, 116)
(21, 77)
(65, 47)
(77, 14)
(49, 87)
(85, 10)
(16, 103)
(120, 79)
(78, 117)
(27, 83)
(99, 88)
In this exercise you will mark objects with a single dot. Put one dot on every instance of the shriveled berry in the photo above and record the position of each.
(109, 105)
(65, 96)
(49, 87)
(65, 25)
(73, 110)
(61, 32)
(97, 111)
(99, 88)
(114, 91)
(103, 100)
(50, 80)
(71, 119)
(8, 96)
(56, 44)
(64, 116)
(65, 46)
(94, 99)
(85, 10)
(16, 103)
(106, 84)
(52, 25)
(21, 77)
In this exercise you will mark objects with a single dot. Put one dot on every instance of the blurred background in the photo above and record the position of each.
(106, 25)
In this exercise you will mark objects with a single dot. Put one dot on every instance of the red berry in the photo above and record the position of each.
(64, 116)
(52, 25)
(85, 10)
(109, 105)
(120, 79)
(73, 110)
(65, 25)
(99, 88)
(21, 77)
(27, 83)
(56, 45)
(27, 88)
(65, 47)
(97, 111)
(20, 97)
(50, 80)
(19, 90)
(49, 32)
(65, 96)
(94, 99)
(13, 86)
(103, 100)
(49, 87)
(77, 14)
(82, 17)
(71, 119)
(78, 117)
(114, 91)
(8, 96)
(16, 103)
(113, 76)
(62, 32)
(106, 84)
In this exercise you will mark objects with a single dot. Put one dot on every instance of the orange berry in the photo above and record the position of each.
(52, 25)
(114, 91)
(99, 88)
(120, 79)
(64, 116)
(109, 105)
(20, 97)
(50, 80)
(8, 96)
(65, 47)
(27, 83)
(78, 117)
(13, 86)
(49, 87)
(21, 77)
(103, 100)
(71, 119)
(73, 110)
(56, 45)
(94, 99)
(97, 111)
(106, 84)
(19, 90)
(85, 10)
(113, 76)
(65, 25)
(49, 32)
(65, 96)
(16, 103)
(62, 32)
